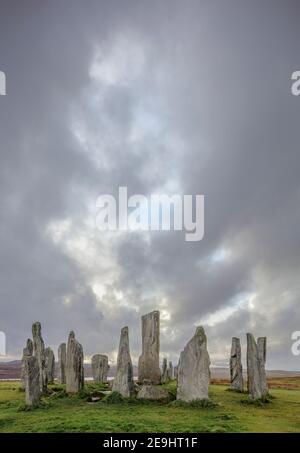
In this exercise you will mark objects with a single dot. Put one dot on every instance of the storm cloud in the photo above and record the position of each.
(164, 96)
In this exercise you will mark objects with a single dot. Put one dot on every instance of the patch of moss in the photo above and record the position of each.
(114, 398)
(201, 404)
(23, 407)
(257, 402)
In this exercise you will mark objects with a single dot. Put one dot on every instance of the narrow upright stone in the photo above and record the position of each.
(256, 359)
(175, 372)
(123, 382)
(193, 369)
(262, 353)
(74, 365)
(170, 372)
(39, 353)
(100, 367)
(50, 365)
(236, 369)
(28, 350)
(148, 367)
(164, 372)
(62, 358)
(32, 379)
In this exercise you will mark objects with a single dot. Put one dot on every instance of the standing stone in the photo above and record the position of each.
(170, 372)
(39, 353)
(50, 365)
(62, 358)
(193, 372)
(236, 369)
(123, 382)
(256, 359)
(148, 367)
(32, 380)
(175, 372)
(28, 350)
(262, 352)
(164, 372)
(153, 392)
(74, 365)
(100, 367)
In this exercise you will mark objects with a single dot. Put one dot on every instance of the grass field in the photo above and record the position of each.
(61, 413)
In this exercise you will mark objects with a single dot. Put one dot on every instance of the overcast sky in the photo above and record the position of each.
(187, 97)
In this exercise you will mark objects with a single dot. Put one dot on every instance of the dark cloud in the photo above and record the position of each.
(185, 98)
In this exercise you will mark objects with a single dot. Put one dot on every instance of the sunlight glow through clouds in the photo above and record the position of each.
(81, 245)
(242, 301)
(220, 254)
(119, 63)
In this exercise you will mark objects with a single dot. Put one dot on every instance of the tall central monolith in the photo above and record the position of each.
(148, 368)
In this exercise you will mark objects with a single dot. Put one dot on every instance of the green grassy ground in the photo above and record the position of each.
(61, 413)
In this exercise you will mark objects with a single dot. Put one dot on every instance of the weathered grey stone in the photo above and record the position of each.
(175, 372)
(74, 365)
(151, 392)
(236, 369)
(39, 353)
(50, 365)
(123, 382)
(193, 372)
(262, 352)
(148, 367)
(100, 367)
(32, 380)
(28, 350)
(170, 371)
(256, 359)
(164, 372)
(62, 359)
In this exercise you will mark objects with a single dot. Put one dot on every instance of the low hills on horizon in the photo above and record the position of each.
(12, 370)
